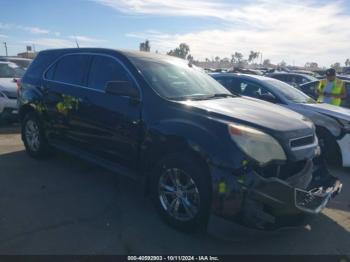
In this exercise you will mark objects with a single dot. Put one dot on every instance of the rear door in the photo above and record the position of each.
(110, 124)
(63, 84)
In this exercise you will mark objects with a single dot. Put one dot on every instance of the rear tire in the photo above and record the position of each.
(181, 191)
(33, 136)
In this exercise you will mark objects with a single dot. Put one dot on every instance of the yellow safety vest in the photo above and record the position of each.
(337, 89)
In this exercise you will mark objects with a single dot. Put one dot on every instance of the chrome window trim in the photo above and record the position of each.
(86, 87)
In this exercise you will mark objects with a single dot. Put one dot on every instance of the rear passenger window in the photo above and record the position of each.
(71, 69)
(105, 69)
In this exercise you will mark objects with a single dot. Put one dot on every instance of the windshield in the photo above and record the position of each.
(289, 92)
(177, 80)
(311, 78)
(10, 70)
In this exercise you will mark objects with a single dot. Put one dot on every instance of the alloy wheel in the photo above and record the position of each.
(32, 135)
(179, 194)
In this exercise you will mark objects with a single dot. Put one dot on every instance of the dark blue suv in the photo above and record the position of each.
(195, 146)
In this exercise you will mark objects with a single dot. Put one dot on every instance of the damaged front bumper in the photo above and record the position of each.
(272, 202)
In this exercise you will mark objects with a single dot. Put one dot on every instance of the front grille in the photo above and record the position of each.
(302, 141)
(282, 171)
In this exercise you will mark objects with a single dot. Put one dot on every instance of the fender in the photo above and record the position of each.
(178, 135)
(323, 120)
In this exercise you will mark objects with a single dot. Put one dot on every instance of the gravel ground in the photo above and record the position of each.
(65, 206)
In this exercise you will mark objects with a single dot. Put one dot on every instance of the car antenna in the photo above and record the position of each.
(76, 41)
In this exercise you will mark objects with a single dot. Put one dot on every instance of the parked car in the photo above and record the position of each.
(292, 78)
(9, 73)
(332, 122)
(21, 62)
(311, 87)
(344, 77)
(165, 122)
(305, 72)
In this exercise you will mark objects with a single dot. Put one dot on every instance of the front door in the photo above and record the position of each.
(110, 124)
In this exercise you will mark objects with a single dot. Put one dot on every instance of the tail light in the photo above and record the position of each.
(19, 85)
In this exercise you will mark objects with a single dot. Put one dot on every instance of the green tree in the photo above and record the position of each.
(182, 51)
(252, 56)
(336, 66)
(282, 64)
(267, 62)
(347, 62)
(238, 56)
(145, 46)
(190, 58)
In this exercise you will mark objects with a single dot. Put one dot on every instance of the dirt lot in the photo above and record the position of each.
(65, 206)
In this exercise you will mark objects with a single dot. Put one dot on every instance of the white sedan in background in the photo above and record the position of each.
(9, 74)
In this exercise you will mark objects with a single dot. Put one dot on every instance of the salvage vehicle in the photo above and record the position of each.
(332, 122)
(9, 73)
(293, 79)
(158, 119)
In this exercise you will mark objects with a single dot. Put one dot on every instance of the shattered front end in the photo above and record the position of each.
(275, 195)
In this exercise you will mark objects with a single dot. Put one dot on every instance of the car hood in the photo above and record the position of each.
(330, 110)
(8, 86)
(253, 112)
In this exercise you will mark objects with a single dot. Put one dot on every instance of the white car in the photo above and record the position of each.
(9, 74)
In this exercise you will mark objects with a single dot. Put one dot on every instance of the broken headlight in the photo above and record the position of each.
(256, 144)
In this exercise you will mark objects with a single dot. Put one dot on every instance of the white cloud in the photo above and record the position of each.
(168, 7)
(51, 42)
(5, 26)
(297, 31)
(35, 30)
(3, 36)
(86, 39)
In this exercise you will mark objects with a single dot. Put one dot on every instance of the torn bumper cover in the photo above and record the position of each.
(272, 202)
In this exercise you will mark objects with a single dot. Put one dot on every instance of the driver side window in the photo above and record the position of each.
(250, 89)
(254, 90)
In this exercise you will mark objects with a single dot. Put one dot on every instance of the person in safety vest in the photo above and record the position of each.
(331, 90)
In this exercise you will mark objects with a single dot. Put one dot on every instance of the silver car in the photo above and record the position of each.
(332, 122)
(9, 75)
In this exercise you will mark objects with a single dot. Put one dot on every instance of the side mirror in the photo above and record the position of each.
(122, 88)
(268, 97)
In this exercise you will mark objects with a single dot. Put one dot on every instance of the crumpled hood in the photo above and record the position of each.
(330, 110)
(8, 86)
(255, 112)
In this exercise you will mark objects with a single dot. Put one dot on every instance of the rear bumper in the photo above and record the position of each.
(268, 203)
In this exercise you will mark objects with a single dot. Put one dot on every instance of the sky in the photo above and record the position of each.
(296, 32)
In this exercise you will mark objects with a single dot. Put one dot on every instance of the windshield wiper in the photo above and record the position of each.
(204, 97)
(218, 95)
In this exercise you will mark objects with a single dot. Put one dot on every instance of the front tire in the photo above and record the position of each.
(33, 136)
(181, 191)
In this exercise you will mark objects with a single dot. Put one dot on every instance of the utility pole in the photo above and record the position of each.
(5, 48)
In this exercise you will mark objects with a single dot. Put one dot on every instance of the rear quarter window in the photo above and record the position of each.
(36, 69)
